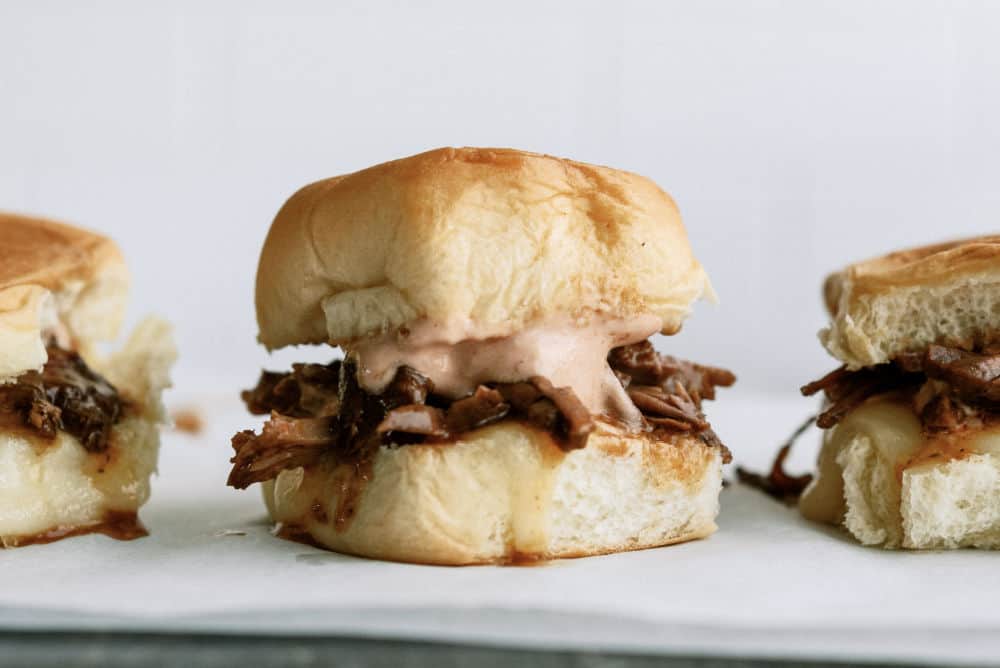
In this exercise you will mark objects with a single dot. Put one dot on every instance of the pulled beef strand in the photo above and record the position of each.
(640, 363)
(846, 390)
(778, 483)
(66, 395)
(972, 375)
(320, 409)
(484, 406)
(310, 390)
(284, 443)
(669, 391)
(578, 423)
(947, 385)
(317, 409)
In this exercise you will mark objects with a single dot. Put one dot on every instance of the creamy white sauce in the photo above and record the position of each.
(569, 352)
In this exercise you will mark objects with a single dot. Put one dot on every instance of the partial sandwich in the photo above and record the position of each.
(78, 429)
(911, 455)
(499, 399)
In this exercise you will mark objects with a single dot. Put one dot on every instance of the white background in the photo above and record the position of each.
(795, 136)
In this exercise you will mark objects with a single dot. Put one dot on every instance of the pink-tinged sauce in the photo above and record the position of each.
(568, 352)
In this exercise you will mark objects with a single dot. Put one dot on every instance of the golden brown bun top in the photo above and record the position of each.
(903, 301)
(486, 239)
(914, 266)
(49, 254)
(55, 278)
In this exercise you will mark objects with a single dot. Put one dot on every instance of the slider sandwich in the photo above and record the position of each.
(911, 453)
(499, 399)
(78, 430)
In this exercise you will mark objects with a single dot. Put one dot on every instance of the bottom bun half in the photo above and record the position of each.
(506, 493)
(59, 489)
(891, 485)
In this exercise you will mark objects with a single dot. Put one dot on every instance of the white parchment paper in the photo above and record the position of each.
(767, 584)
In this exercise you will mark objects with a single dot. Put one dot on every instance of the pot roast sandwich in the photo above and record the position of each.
(78, 429)
(499, 399)
(911, 450)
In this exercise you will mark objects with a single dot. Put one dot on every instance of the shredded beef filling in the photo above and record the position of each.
(317, 409)
(65, 396)
(320, 409)
(669, 391)
(949, 387)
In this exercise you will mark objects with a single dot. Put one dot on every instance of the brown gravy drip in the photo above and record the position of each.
(120, 525)
(295, 534)
(949, 446)
(188, 421)
(351, 485)
(527, 559)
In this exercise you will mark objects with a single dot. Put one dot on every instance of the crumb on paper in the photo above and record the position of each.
(188, 420)
(230, 532)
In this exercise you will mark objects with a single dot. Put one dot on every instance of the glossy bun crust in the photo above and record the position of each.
(904, 301)
(495, 237)
(54, 276)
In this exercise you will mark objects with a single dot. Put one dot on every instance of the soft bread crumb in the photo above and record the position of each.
(934, 505)
(954, 504)
(872, 494)
(62, 486)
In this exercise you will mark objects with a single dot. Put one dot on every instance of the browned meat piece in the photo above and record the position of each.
(639, 362)
(846, 390)
(946, 385)
(669, 391)
(408, 411)
(520, 396)
(643, 365)
(655, 403)
(942, 414)
(485, 406)
(544, 414)
(24, 403)
(44, 416)
(973, 375)
(309, 390)
(408, 387)
(88, 404)
(578, 420)
(266, 396)
(67, 395)
(827, 382)
(317, 394)
(284, 443)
